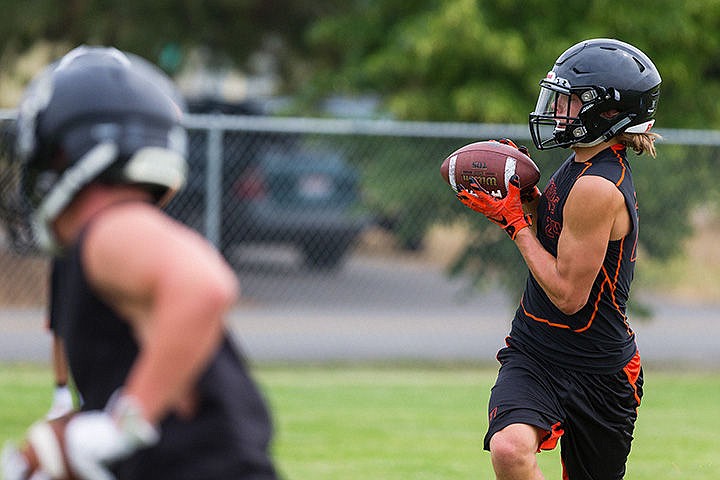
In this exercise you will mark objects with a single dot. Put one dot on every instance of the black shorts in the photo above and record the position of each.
(592, 415)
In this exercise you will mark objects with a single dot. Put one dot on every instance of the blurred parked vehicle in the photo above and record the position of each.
(308, 198)
(277, 190)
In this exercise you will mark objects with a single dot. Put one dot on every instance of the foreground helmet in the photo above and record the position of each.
(617, 84)
(97, 115)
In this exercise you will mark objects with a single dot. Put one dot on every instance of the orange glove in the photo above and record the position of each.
(505, 212)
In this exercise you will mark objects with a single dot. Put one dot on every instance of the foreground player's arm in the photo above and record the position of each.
(589, 220)
(172, 287)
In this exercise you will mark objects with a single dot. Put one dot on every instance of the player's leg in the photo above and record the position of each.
(513, 452)
(524, 415)
(601, 422)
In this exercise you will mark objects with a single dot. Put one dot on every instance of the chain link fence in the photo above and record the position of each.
(293, 203)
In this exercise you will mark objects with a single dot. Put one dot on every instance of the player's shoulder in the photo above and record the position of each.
(130, 228)
(593, 185)
(136, 244)
(593, 196)
(133, 218)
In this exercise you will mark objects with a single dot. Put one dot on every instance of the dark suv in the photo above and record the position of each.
(308, 198)
(275, 189)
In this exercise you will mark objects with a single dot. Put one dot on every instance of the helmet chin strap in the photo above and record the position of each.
(88, 167)
(614, 130)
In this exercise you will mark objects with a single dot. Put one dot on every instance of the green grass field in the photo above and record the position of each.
(423, 422)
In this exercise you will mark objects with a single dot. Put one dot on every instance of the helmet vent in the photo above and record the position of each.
(639, 64)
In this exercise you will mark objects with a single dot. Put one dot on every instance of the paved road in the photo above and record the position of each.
(380, 310)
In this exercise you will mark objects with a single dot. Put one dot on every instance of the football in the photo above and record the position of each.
(44, 449)
(493, 164)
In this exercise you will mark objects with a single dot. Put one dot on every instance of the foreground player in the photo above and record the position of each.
(571, 369)
(165, 393)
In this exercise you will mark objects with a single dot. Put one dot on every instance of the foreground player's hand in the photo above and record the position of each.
(530, 195)
(505, 212)
(97, 438)
(14, 465)
(521, 148)
(79, 445)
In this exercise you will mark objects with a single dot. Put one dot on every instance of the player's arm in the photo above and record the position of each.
(589, 218)
(173, 288)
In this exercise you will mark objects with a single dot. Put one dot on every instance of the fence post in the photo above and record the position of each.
(213, 184)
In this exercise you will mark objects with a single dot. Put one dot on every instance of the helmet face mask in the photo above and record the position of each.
(97, 115)
(596, 90)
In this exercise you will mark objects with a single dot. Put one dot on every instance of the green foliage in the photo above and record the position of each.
(669, 188)
(481, 60)
(460, 60)
(416, 183)
(229, 29)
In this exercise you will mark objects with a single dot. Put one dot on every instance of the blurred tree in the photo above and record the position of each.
(229, 28)
(481, 61)
(456, 60)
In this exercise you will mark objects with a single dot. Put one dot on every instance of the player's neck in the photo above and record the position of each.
(583, 154)
(88, 203)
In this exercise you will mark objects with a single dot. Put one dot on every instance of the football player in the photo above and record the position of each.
(166, 394)
(571, 370)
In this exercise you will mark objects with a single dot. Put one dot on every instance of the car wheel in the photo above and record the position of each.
(324, 255)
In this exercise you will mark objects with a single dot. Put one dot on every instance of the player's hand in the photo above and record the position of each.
(14, 466)
(522, 148)
(80, 445)
(530, 195)
(505, 212)
(97, 438)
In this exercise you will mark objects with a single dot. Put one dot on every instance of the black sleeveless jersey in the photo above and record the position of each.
(229, 434)
(597, 338)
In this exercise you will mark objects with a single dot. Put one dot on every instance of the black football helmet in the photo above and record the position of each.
(617, 84)
(97, 115)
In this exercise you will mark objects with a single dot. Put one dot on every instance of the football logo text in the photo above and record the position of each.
(482, 180)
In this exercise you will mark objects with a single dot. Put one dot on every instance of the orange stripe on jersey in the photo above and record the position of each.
(562, 325)
(617, 148)
(538, 319)
(587, 165)
(614, 280)
(596, 308)
(617, 276)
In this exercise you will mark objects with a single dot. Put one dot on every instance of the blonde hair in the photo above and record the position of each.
(639, 142)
